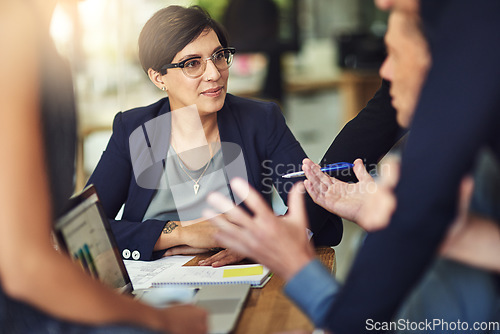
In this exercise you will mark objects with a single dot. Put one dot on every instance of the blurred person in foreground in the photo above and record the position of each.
(456, 117)
(43, 291)
(290, 255)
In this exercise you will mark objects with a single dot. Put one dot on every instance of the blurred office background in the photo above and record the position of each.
(317, 58)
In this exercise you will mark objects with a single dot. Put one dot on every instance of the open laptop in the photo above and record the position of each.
(84, 232)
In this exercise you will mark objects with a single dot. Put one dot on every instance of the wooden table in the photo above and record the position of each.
(268, 310)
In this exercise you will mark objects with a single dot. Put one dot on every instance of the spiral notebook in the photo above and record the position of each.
(254, 274)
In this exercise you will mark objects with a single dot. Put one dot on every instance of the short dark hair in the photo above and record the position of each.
(169, 30)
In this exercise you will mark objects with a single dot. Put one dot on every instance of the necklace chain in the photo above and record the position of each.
(196, 186)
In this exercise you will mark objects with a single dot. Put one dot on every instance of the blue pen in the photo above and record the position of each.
(328, 168)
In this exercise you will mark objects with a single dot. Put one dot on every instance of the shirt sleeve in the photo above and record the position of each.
(313, 289)
(369, 135)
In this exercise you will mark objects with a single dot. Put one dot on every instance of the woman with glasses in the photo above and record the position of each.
(164, 159)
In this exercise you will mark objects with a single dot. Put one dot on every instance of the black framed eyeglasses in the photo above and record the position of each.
(196, 66)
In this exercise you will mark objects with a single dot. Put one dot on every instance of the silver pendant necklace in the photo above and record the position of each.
(196, 185)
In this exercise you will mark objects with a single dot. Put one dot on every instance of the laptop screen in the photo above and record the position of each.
(84, 232)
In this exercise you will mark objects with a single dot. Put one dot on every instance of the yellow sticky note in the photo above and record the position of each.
(248, 271)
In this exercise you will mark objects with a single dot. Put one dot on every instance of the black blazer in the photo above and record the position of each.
(369, 136)
(258, 128)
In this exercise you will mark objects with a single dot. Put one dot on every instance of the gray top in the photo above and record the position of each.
(176, 199)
